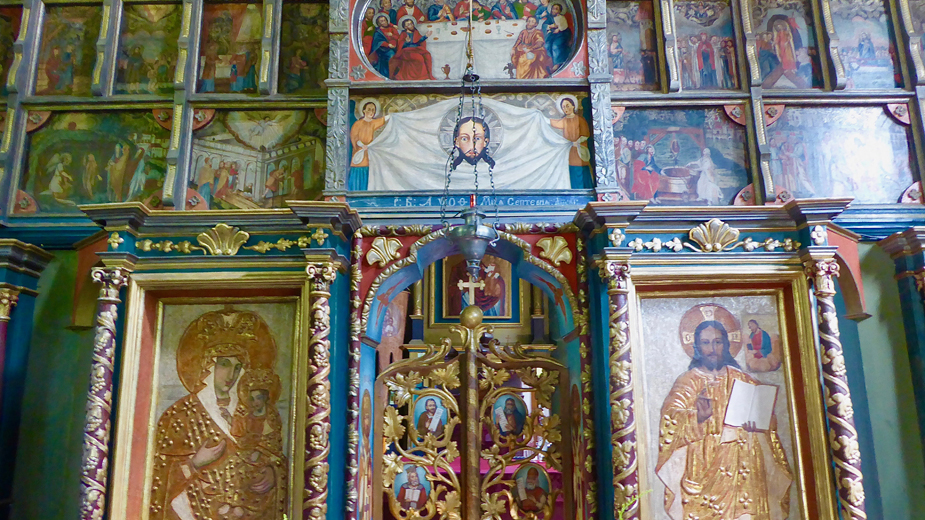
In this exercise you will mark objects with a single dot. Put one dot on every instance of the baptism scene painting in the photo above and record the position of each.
(787, 52)
(92, 157)
(527, 141)
(10, 18)
(148, 49)
(716, 398)
(230, 50)
(257, 159)
(808, 161)
(866, 44)
(631, 45)
(416, 40)
(680, 157)
(706, 45)
(68, 50)
(303, 48)
(221, 444)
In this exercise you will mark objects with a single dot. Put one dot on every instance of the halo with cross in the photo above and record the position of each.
(709, 312)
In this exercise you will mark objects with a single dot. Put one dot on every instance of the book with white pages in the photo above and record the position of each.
(502, 420)
(750, 403)
(412, 495)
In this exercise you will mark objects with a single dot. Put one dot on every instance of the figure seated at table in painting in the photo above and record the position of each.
(504, 10)
(411, 60)
(529, 53)
(385, 43)
(440, 12)
(409, 9)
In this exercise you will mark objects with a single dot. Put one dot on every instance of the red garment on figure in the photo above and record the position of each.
(411, 61)
(645, 182)
(415, 13)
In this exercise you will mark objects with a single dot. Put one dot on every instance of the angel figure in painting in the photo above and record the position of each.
(529, 53)
(361, 134)
(61, 183)
(201, 468)
(706, 465)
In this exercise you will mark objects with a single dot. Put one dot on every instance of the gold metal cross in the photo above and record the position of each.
(472, 285)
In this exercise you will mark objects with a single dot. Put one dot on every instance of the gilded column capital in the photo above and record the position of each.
(8, 299)
(822, 272)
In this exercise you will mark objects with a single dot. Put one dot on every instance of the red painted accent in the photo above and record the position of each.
(472, 200)
(86, 260)
(849, 279)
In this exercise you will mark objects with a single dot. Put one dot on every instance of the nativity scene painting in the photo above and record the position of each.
(808, 161)
(703, 374)
(147, 55)
(866, 44)
(221, 445)
(93, 157)
(303, 50)
(10, 19)
(230, 50)
(787, 52)
(418, 40)
(68, 50)
(706, 45)
(539, 141)
(631, 45)
(679, 157)
(257, 159)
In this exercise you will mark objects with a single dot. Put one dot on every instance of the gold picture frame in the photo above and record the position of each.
(147, 296)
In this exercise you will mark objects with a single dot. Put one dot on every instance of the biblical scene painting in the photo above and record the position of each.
(706, 45)
(147, 55)
(716, 409)
(303, 48)
(230, 50)
(93, 157)
(532, 141)
(10, 19)
(68, 50)
(631, 45)
(917, 10)
(680, 157)
(257, 159)
(221, 445)
(807, 160)
(494, 294)
(416, 40)
(866, 44)
(787, 52)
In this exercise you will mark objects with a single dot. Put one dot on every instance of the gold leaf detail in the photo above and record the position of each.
(281, 245)
(319, 236)
(383, 251)
(449, 507)
(448, 377)
(394, 430)
(715, 236)
(223, 240)
(115, 240)
(555, 249)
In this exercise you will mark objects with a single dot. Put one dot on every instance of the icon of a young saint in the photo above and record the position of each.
(433, 418)
(217, 451)
(362, 133)
(706, 465)
(575, 128)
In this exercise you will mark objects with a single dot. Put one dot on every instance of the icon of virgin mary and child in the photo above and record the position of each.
(218, 450)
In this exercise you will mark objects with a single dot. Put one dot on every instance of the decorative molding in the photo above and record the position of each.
(599, 64)
(336, 143)
(95, 463)
(339, 57)
(383, 251)
(223, 240)
(899, 112)
(318, 421)
(586, 467)
(555, 249)
(319, 236)
(338, 12)
(8, 299)
(168, 246)
(819, 235)
(353, 368)
(615, 273)
(602, 122)
(843, 436)
(714, 236)
(280, 245)
(114, 241)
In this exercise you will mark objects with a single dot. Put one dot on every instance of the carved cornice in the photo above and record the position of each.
(21, 257)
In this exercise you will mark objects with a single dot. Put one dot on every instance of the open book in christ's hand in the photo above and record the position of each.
(751, 403)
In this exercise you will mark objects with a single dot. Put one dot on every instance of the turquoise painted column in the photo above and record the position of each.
(22, 265)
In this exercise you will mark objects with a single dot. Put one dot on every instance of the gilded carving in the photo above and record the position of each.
(114, 241)
(318, 422)
(319, 236)
(714, 236)
(555, 249)
(168, 246)
(383, 251)
(98, 425)
(223, 240)
(281, 245)
(8, 299)
(843, 436)
(819, 235)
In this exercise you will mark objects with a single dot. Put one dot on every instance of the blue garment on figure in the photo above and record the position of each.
(500, 7)
(557, 46)
(542, 17)
(383, 52)
(579, 177)
(250, 80)
(208, 85)
(358, 179)
(236, 82)
(67, 73)
(765, 343)
(206, 192)
(433, 12)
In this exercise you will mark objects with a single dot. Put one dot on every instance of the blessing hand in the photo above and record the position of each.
(749, 426)
(206, 455)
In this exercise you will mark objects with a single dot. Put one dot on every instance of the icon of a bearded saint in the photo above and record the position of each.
(711, 470)
(471, 138)
(194, 447)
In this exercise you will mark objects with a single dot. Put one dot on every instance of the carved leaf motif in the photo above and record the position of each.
(714, 236)
(448, 377)
(402, 385)
(394, 430)
(391, 467)
(223, 240)
(449, 507)
(555, 249)
(452, 452)
(493, 508)
(383, 251)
